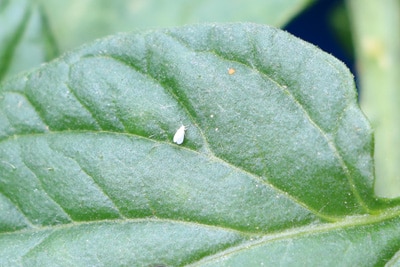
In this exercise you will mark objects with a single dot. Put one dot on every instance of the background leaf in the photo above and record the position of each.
(76, 22)
(25, 39)
(277, 155)
(31, 29)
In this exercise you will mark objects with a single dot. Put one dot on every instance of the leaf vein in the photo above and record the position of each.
(170, 92)
(94, 182)
(18, 208)
(330, 142)
(37, 109)
(50, 233)
(98, 126)
(45, 191)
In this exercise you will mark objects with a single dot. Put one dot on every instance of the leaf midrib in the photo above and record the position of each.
(253, 239)
(290, 234)
(209, 156)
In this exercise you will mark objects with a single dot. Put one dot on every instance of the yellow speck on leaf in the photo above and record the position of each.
(231, 71)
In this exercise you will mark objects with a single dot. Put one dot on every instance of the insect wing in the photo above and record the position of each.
(179, 135)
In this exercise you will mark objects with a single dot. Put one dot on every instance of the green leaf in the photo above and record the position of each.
(25, 40)
(75, 22)
(276, 163)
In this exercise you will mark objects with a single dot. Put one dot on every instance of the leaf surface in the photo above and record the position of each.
(276, 162)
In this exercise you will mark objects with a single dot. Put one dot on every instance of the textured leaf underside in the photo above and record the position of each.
(276, 158)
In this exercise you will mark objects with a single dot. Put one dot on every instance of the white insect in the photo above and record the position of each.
(179, 135)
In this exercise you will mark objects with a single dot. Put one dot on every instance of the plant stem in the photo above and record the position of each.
(376, 28)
